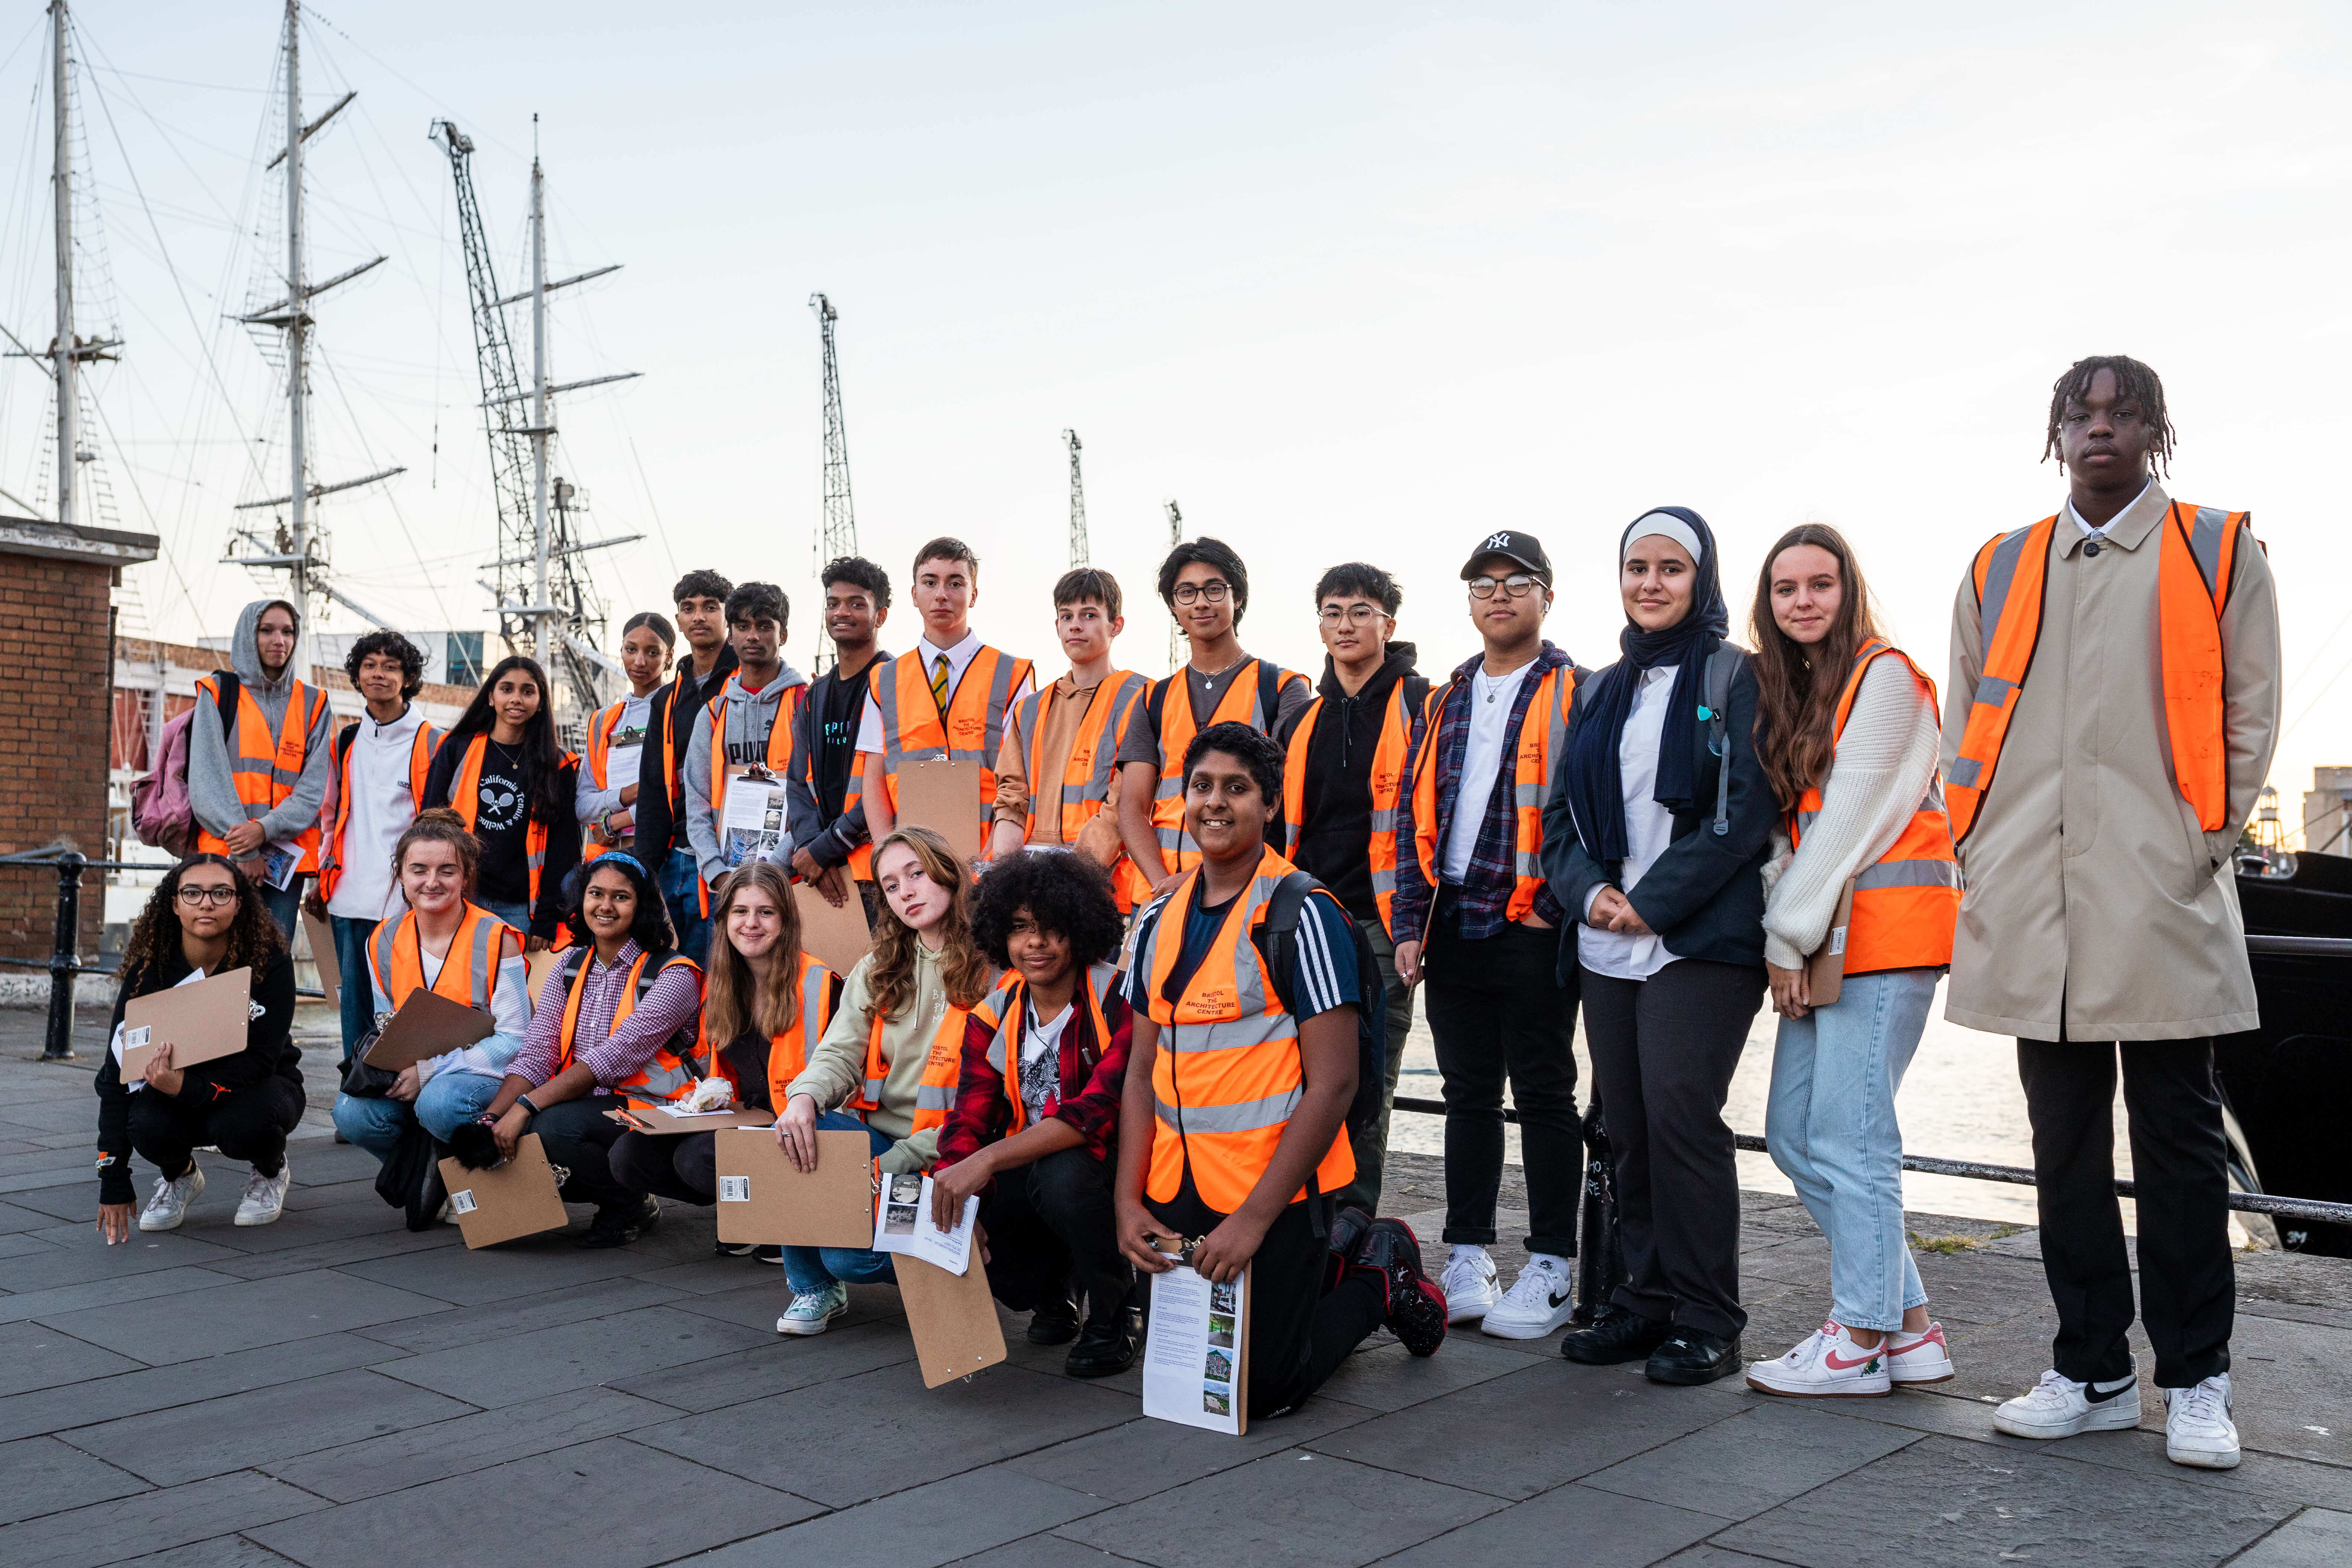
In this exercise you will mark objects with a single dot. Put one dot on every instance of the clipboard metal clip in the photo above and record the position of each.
(1184, 1245)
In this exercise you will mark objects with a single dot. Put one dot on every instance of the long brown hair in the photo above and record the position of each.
(1797, 684)
(441, 825)
(736, 1001)
(891, 972)
(253, 936)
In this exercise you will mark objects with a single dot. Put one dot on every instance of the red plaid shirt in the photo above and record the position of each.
(1094, 1074)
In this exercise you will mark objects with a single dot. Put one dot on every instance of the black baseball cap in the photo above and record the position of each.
(1523, 548)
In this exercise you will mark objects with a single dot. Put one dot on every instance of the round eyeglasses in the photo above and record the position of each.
(1515, 586)
(1214, 590)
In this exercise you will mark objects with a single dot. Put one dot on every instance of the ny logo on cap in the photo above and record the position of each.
(1497, 541)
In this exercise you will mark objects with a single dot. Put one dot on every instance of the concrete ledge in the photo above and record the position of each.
(58, 541)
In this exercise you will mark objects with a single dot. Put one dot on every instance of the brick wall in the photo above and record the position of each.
(55, 625)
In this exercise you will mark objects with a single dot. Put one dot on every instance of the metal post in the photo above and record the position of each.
(541, 621)
(296, 311)
(63, 349)
(57, 1045)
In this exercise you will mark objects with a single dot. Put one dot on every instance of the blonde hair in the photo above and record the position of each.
(737, 1000)
(890, 970)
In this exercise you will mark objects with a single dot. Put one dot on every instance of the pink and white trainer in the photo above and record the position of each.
(1919, 1358)
(1827, 1365)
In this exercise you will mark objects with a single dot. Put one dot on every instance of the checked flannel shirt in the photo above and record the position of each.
(1093, 1074)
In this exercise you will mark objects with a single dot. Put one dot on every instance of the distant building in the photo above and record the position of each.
(2323, 821)
(451, 659)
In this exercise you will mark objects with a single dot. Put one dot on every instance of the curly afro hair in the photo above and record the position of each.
(1062, 891)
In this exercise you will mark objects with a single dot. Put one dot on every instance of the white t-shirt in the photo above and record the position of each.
(1041, 1060)
(1491, 701)
(1649, 828)
(382, 807)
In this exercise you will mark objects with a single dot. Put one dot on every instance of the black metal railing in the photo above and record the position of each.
(64, 961)
(2310, 1209)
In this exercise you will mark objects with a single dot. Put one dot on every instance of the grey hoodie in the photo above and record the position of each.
(212, 786)
(750, 717)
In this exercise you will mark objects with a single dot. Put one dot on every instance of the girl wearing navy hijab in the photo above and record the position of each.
(1655, 836)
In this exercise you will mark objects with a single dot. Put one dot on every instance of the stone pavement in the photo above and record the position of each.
(333, 1390)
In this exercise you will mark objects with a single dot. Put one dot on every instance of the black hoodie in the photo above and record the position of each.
(1337, 804)
(660, 825)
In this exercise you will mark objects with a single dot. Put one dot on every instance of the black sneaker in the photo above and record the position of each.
(1056, 1320)
(1616, 1337)
(1108, 1344)
(734, 1248)
(1348, 1233)
(768, 1252)
(1415, 1306)
(1693, 1356)
(622, 1224)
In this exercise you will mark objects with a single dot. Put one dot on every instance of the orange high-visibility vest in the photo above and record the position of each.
(1094, 755)
(1005, 1010)
(1227, 1074)
(599, 749)
(777, 759)
(1536, 752)
(1389, 758)
(935, 1096)
(1906, 901)
(666, 1075)
(266, 767)
(2197, 548)
(420, 763)
(973, 728)
(469, 973)
(1240, 704)
(788, 1052)
(465, 800)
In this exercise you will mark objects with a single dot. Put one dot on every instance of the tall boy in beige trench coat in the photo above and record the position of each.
(2100, 919)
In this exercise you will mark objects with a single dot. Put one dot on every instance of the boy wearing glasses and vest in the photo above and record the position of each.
(742, 732)
(1474, 912)
(256, 789)
(1206, 588)
(1057, 772)
(949, 696)
(1343, 782)
(2111, 715)
(1232, 1129)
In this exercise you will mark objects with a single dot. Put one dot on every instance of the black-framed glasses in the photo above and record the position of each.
(1517, 586)
(1353, 614)
(193, 896)
(1214, 590)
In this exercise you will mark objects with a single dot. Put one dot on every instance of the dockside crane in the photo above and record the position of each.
(1077, 504)
(839, 537)
(1175, 635)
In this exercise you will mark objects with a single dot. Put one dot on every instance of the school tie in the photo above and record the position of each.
(940, 683)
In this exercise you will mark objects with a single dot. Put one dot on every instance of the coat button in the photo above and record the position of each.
(2092, 548)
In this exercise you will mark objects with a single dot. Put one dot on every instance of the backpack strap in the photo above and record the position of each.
(1720, 667)
(227, 688)
(1278, 935)
(1269, 697)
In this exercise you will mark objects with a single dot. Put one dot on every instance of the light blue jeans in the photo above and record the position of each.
(1830, 1129)
(447, 1102)
(809, 1269)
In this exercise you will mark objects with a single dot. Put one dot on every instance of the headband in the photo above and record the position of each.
(1666, 525)
(636, 864)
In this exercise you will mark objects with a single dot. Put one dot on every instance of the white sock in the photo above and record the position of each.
(1559, 1264)
(1463, 1250)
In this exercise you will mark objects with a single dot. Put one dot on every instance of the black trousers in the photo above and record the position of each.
(1497, 1012)
(1664, 1050)
(684, 1166)
(1046, 1217)
(2187, 1284)
(578, 1136)
(1298, 1333)
(250, 1124)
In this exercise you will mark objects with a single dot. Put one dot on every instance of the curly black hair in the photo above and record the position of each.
(392, 645)
(1260, 755)
(253, 937)
(860, 573)
(1062, 891)
(650, 930)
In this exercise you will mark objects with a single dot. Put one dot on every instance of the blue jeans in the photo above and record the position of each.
(447, 1102)
(809, 1269)
(1830, 1128)
(681, 886)
(359, 996)
(283, 904)
(516, 915)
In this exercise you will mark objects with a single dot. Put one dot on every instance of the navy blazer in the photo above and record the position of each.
(1705, 896)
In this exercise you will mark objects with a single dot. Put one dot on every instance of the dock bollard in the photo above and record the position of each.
(57, 1046)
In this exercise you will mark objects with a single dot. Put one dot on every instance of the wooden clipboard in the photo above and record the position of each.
(764, 1200)
(202, 1023)
(952, 1317)
(427, 1025)
(535, 966)
(505, 1202)
(1825, 970)
(655, 1124)
(944, 797)
(323, 954)
(836, 938)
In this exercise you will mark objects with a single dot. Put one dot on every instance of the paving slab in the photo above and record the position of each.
(1939, 1502)
(15, 1218)
(467, 1278)
(42, 1475)
(467, 1444)
(882, 1431)
(1758, 1459)
(1044, 1551)
(1593, 1529)
(152, 1522)
(238, 1431)
(2273, 1476)
(758, 1301)
(1144, 1456)
(612, 1504)
(1287, 1508)
(2315, 1538)
(778, 1366)
(519, 1315)
(1389, 1377)
(98, 1294)
(918, 1527)
(76, 1252)
(34, 1356)
(392, 1240)
(242, 1314)
(184, 1383)
(220, 1552)
(573, 1355)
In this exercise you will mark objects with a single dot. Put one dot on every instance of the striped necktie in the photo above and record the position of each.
(939, 682)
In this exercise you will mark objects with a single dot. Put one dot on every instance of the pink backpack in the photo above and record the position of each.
(159, 812)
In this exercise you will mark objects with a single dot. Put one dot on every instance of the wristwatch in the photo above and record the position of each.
(525, 1102)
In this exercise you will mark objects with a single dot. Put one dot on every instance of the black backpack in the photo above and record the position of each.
(1277, 944)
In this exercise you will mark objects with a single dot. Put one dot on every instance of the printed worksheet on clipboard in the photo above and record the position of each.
(752, 823)
(1196, 1352)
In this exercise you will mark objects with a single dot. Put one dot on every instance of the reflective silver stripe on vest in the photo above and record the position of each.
(1934, 799)
(2205, 536)
(874, 1091)
(815, 980)
(1998, 574)
(1908, 874)
(935, 1097)
(1000, 1048)
(380, 953)
(1101, 980)
(1993, 692)
(885, 693)
(661, 1083)
(1186, 1040)
(1965, 771)
(1248, 1116)
(486, 934)
(1383, 882)
(1098, 785)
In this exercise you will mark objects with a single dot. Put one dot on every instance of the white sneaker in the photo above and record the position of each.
(1469, 1286)
(1919, 1358)
(811, 1312)
(1539, 1301)
(2196, 1426)
(2061, 1407)
(1826, 1365)
(264, 1196)
(168, 1206)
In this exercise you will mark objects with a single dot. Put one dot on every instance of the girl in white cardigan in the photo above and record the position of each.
(1862, 798)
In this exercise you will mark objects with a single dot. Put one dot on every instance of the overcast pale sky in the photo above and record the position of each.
(1360, 281)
